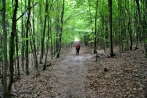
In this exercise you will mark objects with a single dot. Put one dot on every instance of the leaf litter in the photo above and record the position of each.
(72, 76)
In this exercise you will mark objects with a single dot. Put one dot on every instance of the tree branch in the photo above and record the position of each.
(68, 18)
(25, 11)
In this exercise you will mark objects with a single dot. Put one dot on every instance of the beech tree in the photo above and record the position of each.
(37, 30)
(110, 21)
(28, 24)
(96, 30)
(5, 63)
(12, 45)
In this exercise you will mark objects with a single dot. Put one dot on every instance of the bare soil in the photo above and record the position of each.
(72, 76)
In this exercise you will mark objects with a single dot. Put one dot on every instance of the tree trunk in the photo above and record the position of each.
(136, 27)
(41, 30)
(46, 11)
(12, 47)
(17, 60)
(47, 45)
(51, 51)
(145, 48)
(61, 27)
(44, 31)
(27, 41)
(106, 36)
(34, 44)
(33, 48)
(57, 30)
(120, 26)
(144, 26)
(129, 28)
(110, 23)
(91, 21)
(5, 64)
(140, 20)
(95, 31)
(22, 43)
(130, 33)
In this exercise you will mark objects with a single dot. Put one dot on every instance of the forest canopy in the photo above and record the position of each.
(47, 26)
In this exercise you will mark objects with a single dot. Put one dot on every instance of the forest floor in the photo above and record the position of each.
(72, 76)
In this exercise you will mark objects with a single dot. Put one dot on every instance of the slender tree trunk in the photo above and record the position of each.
(110, 23)
(5, 64)
(27, 41)
(44, 31)
(120, 26)
(50, 30)
(57, 30)
(17, 60)
(91, 21)
(144, 26)
(46, 11)
(136, 27)
(129, 27)
(130, 33)
(1, 46)
(54, 45)
(106, 36)
(34, 45)
(42, 39)
(47, 45)
(44, 66)
(12, 47)
(51, 51)
(57, 37)
(33, 48)
(95, 31)
(140, 20)
(62, 23)
(22, 43)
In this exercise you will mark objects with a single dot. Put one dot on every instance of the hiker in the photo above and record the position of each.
(77, 48)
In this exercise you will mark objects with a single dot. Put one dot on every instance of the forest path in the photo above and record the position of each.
(72, 76)
(65, 78)
(71, 72)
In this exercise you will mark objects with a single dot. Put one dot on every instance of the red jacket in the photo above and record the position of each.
(77, 46)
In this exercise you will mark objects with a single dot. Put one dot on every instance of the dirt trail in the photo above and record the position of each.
(71, 74)
(65, 78)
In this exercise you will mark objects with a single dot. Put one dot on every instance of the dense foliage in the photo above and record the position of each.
(36, 26)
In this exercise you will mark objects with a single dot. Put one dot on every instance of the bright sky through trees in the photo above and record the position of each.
(76, 39)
